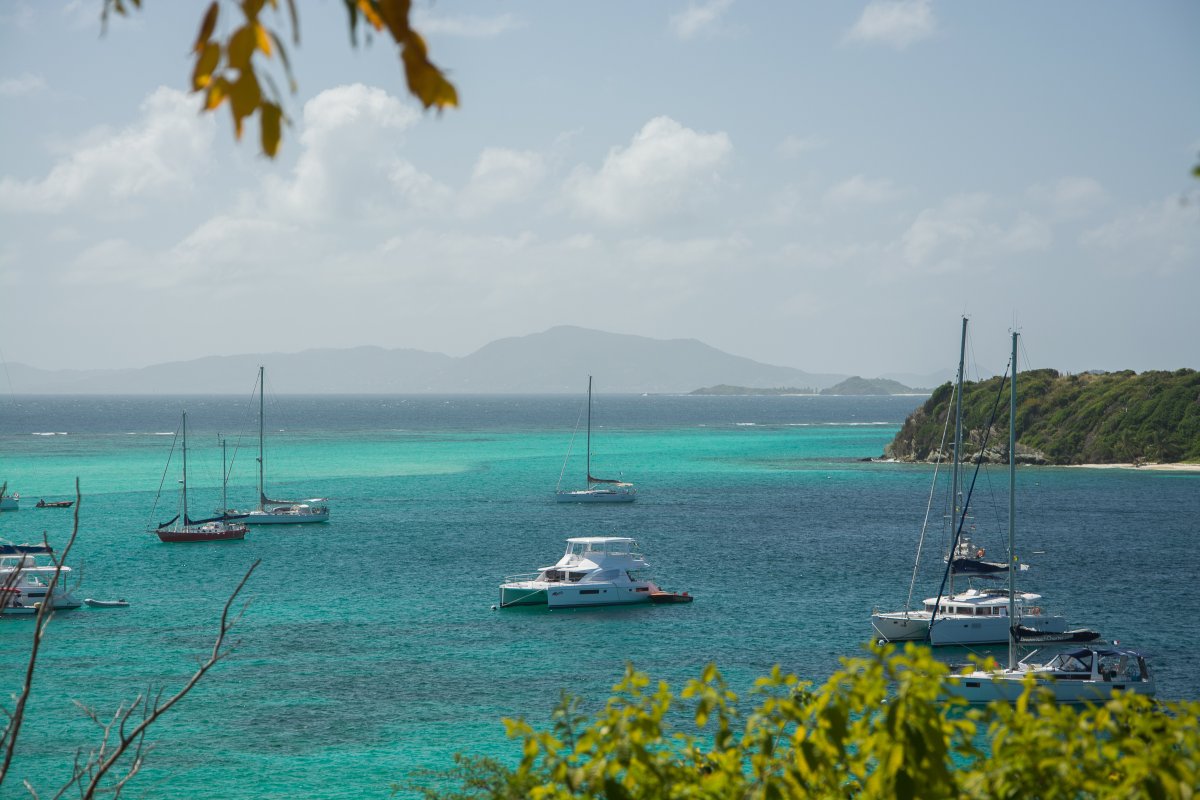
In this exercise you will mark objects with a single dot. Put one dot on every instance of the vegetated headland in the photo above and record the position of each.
(1091, 418)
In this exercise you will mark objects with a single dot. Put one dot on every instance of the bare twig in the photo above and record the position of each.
(45, 613)
(117, 744)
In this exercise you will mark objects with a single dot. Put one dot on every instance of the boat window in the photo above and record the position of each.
(589, 591)
(604, 575)
(575, 577)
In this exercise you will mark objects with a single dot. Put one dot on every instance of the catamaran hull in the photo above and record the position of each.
(900, 627)
(982, 688)
(581, 596)
(989, 630)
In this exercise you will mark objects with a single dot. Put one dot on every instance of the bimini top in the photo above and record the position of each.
(1087, 651)
(598, 539)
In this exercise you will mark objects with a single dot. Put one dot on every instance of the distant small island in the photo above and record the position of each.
(725, 390)
(875, 386)
(1092, 418)
(851, 387)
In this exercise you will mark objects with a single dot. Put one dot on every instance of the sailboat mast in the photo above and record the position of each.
(224, 479)
(958, 439)
(262, 390)
(589, 433)
(185, 510)
(1012, 511)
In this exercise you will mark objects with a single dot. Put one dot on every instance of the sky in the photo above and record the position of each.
(824, 185)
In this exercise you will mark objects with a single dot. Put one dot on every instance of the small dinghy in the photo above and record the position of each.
(107, 603)
(670, 597)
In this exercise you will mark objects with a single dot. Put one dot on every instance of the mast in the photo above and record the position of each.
(224, 479)
(185, 513)
(262, 390)
(1012, 510)
(589, 434)
(958, 438)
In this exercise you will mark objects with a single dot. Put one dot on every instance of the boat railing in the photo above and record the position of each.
(524, 576)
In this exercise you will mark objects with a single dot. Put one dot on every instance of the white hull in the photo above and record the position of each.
(284, 516)
(599, 594)
(989, 630)
(900, 626)
(10, 503)
(979, 688)
(620, 495)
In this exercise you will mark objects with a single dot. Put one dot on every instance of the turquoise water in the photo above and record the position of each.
(370, 647)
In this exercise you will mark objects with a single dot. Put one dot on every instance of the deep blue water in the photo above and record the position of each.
(370, 647)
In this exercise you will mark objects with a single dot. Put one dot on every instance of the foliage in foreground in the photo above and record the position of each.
(876, 729)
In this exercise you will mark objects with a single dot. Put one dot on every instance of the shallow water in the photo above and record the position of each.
(370, 647)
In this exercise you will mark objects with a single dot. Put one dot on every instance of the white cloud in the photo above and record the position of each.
(351, 163)
(1070, 197)
(1158, 239)
(465, 25)
(860, 191)
(960, 233)
(898, 23)
(501, 176)
(155, 157)
(21, 85)
(667, 170)
(796, 146)
(698, 19)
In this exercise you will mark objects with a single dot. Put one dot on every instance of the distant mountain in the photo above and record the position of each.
(876, 386)
(554, 361)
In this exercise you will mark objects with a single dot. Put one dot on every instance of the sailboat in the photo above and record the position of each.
(279, 512)
(1080, 675)
(599, 490)
(183, 528)
(974, 616)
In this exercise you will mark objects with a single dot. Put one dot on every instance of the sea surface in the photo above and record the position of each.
(371, 648)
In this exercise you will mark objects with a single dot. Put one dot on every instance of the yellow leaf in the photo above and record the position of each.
(218, 90)
(244, 98)
(369, 14)
(262, 39)
(241, 48)
(425, 80)
(206, 27)
(269, 118)
(206, 62)
(395, 15)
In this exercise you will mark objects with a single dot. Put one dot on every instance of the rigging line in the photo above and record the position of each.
(929, 504)
(967, 502)
(162, 481)
(570, 446)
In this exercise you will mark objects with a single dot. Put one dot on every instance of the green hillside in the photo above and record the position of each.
(1110, 418)
(871, 386)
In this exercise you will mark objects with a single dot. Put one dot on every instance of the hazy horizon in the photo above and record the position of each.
(824, 187)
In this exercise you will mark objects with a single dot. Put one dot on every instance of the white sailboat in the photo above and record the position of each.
(279, 512)
(974, 616)
(599, 490)
(1081, 675)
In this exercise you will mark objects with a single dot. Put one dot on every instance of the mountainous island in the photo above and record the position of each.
(1107, 418)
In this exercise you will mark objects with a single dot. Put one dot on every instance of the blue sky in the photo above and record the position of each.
(823, 185)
